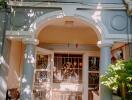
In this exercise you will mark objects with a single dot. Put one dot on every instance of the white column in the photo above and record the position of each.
(85, 77)
(28, 69)
(105, 60)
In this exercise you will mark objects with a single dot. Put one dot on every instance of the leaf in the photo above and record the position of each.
(117, 73)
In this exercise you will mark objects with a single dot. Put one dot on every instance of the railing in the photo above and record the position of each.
(42, 94)
(57, 95)
(67, 69)
(66, 95)
(42, 75)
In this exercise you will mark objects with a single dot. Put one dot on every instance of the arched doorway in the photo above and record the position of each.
(73, 44)
(86, 19)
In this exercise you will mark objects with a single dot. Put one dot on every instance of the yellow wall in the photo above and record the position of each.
(15, 63)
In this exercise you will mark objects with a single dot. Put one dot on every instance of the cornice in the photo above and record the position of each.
(25, 36)
(105, 43)
(119, 37)
(11, 32)
(18, 34)
(61, 5)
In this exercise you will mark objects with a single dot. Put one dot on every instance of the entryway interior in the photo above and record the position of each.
(66, 40)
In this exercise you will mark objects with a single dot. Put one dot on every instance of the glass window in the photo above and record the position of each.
(67, 68)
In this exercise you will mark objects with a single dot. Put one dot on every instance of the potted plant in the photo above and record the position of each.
(119, 76)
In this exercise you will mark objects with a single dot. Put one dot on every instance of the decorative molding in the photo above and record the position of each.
(69, 47)
(105, 43)
(18, 21)
(18, 34)
(61, 5)
(97, 25)
(43, 51)
(129, 6)
(119, 37)
(30, 41)
(118, 22)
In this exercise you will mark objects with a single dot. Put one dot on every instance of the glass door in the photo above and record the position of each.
(93, 75)
(67, 77)
(58, 76)
(43, 75)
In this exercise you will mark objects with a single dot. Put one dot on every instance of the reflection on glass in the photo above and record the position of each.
(67, 68)
(93, 72)
(93, 63)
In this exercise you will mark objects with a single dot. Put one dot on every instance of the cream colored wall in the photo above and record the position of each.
(15, 63)
(71, 35)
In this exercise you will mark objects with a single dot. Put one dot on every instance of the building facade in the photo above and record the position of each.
(57, 49)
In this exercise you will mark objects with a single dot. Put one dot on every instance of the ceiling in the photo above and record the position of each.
(67, 30)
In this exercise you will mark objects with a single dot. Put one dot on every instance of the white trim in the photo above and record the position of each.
(26, 34)
(70, 47)
(119, 37)
(43, 20)
(85, 78)
(47, 51)
(61, 5)
(90, 53)
(105, 43)
(30, 41)
(18, 34)
(43, 51)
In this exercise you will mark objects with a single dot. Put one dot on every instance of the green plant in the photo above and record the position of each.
(2, 4)
(119, 75)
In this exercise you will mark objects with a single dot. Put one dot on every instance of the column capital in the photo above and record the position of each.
(30, 41)
(128, 1)
(105, 43)
(129, 6)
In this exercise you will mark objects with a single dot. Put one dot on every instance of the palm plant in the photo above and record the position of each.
(119, 75)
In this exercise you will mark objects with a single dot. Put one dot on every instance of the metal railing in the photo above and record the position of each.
(66, 95)
(67, 69)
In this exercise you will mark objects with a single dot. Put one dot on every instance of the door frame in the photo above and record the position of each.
(85, 55)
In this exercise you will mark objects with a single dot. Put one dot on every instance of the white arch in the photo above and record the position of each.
(42, 21)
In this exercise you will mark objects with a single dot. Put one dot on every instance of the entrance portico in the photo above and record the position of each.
(97, 34)
(100, 31)
(65, 31)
